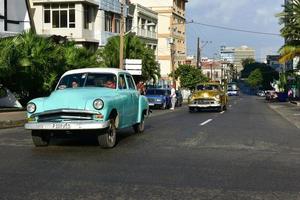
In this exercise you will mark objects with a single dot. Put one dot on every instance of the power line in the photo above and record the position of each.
(233, 29)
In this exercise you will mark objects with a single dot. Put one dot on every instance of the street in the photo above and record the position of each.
(247, 152)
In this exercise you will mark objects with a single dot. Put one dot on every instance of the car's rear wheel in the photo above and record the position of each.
(40, 138)
(140, 127)
(109, 137)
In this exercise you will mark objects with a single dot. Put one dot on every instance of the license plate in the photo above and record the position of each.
(151, 104)
(61, 126)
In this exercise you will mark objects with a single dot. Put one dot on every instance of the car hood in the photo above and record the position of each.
(75, 98)
(204, 94)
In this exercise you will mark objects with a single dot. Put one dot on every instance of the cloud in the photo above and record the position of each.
(223, 11)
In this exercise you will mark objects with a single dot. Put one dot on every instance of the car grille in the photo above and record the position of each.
(204, 101)
(64, 116)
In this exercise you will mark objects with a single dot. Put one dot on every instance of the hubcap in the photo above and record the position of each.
(111, 133)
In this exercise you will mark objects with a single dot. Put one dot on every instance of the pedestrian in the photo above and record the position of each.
(141, 87)
(290, 94)
(173, 98)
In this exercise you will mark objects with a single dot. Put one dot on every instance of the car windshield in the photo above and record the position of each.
(207, 87)
(88, 80)
(157, 92)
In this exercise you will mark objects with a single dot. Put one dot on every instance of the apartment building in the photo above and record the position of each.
(171, 33)
(14, 17)
(87, 22)
(227, 54)
(213, 69)
(240, 54)
(143, 22)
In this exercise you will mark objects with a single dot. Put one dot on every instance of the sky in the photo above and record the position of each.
(250, 15)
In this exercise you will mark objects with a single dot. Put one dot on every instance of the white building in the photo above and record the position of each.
(87, 22)
(143, 22)
(171, 33)
(227, 54)
(14, 17)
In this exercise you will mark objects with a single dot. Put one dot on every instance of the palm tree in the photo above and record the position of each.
(134, 48)
(290, 19)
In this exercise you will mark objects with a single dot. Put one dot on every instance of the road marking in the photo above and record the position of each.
(222, 112)
(206, 122)
(230, 106)
(296, 114)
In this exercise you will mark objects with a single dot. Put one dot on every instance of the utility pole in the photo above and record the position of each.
(172, 45)
(198, 54)
(122, 24)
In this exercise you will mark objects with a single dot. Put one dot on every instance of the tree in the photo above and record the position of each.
(289, 18)
(134, 48)
(268, 73)
(255, 79)
(247, 61)
(31, 65)
(189, 76)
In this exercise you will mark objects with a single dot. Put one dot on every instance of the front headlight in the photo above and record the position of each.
(31, 107)
(98, 104)
(218, 97)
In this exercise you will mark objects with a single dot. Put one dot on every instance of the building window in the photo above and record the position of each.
(87, 16)
(208, 74)
(108, 22)
(117, 25)
(47, 14)
(216, 75)
(60, 15)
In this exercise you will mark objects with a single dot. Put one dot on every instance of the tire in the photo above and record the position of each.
(109, 137)
(40, 138)
(140, 127)
(192, 110)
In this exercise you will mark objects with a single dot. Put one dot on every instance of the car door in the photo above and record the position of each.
(134, 98)
(126, 101)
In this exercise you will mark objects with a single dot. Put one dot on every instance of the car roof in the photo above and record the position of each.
(95, 70)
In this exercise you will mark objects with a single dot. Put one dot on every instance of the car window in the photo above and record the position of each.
(88, 80)
(122, 82)
(3, 93)
(130, 82)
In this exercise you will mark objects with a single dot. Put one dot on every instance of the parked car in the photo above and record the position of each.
(8, 99)
(261, 93)
(179, 98)
(271, 95)
(91, 101)
(208, 95)
(158, 97)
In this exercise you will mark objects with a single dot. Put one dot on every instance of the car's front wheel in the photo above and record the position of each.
(139, 127)
(40, 138)
(109, 137)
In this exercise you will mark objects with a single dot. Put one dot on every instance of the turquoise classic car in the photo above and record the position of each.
(91, 101)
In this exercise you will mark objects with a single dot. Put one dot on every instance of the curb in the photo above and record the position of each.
(284, 116)
(12, 124)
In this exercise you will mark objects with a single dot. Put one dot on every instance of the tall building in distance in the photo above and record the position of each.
(171, 33)
(240, 54)
(14, 17)
(236, 55)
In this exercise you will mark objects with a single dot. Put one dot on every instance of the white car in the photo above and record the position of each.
(232, 92)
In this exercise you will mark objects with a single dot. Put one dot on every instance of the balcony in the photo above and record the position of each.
(146, 33)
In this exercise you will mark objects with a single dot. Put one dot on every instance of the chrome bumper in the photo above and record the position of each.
(86, 125)
(214, 105)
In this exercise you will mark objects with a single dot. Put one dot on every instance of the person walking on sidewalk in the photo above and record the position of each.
(173, 98)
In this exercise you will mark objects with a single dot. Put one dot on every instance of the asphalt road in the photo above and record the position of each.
(247, 152)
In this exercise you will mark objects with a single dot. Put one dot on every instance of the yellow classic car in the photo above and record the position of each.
(208, 95)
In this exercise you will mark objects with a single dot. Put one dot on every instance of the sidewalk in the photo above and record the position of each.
(12, 119)
(288, 110)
